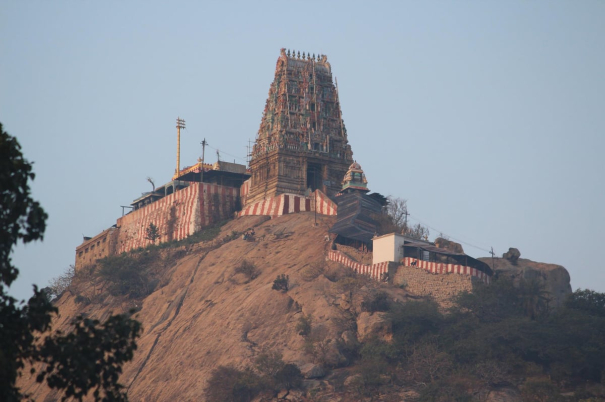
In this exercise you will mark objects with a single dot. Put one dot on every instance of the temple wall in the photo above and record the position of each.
(177, 215)
(291, 203)
(324, 205)
(174, 216)
(244, 190)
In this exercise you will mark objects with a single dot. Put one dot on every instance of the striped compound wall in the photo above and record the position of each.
(440, 268)
(291, 203)
(375, 271)
(191, 209)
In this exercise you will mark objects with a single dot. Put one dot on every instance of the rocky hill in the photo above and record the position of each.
(210, 303)
(203, 314)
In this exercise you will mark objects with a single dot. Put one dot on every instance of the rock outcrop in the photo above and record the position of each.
(554, 278)
(449, 245)
(512, 255)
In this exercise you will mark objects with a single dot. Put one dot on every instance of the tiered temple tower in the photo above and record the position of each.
(302, 141)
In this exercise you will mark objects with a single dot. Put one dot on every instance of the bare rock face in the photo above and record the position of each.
(374, 325)
(555, 278)
(449, 245)
(512, 255)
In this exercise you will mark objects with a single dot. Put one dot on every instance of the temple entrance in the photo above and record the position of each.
(314, 174)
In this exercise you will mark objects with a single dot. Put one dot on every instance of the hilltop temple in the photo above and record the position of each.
(301, 162)
(301, 144)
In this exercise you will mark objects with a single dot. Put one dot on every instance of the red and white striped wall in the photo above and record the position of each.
(244, 190)
(440, 268)
(324, 205)
(375, 271)
(195, 207)
(290, 204)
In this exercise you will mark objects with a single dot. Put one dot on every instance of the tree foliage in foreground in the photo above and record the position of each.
(88, 359)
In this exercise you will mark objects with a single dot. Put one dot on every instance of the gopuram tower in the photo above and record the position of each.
(302, 141)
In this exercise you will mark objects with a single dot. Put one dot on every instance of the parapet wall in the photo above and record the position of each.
(375, 271)
(441, 268)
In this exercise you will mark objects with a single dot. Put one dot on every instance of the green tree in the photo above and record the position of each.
(281, 283)
(152, 232)
(89, 358)
(587, 300)
(228, 384)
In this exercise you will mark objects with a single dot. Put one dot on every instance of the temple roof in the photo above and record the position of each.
(355, 219)
(302, 112)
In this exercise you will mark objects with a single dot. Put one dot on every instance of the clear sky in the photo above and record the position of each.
(488, 117)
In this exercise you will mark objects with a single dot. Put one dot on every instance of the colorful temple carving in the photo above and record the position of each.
(302, 141)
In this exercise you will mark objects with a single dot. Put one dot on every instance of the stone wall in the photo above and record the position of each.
(100, 246)
(441, 286)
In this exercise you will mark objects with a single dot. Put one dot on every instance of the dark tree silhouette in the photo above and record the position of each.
(88, 359)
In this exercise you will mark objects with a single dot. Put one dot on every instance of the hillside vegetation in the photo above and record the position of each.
(227, 319)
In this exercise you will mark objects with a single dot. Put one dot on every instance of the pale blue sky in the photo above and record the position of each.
(487, 116)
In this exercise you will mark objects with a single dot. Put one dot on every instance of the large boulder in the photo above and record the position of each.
(512, 255)
(370, 325)
(449, 245)
(554, 278)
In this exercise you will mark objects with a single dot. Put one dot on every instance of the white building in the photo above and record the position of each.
(389, 247)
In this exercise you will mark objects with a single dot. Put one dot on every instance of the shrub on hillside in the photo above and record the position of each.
(247, 269)
(288, 377)
(129, 274)
(61, 283)
(369, 377)
(281, 283)
(378, 301)
(277, 374)
(228, 384)
(304, 325)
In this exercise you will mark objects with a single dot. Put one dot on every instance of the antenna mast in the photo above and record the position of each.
(180, 123)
